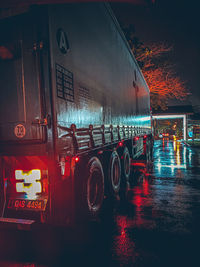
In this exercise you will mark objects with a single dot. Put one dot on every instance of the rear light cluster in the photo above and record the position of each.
(145, 139)
(31, 182)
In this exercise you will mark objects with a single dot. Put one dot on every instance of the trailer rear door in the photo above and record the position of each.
(22, 106)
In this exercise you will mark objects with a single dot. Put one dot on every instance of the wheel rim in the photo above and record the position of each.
(127, 165)
(115, 174)
(95, 191)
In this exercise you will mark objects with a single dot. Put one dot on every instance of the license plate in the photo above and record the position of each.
(25, 204)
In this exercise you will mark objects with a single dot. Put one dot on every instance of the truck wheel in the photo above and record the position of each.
(114, 174)
(125, 163)
(93, 189)
(125, 175)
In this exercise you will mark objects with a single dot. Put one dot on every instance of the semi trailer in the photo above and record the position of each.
(74, 113)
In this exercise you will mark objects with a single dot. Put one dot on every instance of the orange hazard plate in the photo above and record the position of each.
(25, 204)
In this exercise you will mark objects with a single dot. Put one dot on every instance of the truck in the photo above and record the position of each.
(74, 113)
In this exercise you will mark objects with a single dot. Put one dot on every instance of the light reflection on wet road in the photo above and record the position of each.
(164, 227)
(166, 200)
(158, 227)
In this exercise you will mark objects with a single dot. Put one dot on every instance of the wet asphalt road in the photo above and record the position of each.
(159, 226)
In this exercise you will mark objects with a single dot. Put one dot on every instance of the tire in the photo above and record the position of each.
(114, 175)
(92, 195)
(126, 165)
(125, 174)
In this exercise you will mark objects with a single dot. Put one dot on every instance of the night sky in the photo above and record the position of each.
(176, 22)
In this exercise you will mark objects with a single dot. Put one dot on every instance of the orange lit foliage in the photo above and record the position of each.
(159, 73)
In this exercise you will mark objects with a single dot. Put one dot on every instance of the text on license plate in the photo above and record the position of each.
(27, 204)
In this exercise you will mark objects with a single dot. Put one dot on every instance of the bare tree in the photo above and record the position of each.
(159, 72)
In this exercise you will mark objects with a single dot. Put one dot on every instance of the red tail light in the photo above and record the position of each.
(136, 138)
(76, 159)
(27, 182)
(30, 182)
(121, 143)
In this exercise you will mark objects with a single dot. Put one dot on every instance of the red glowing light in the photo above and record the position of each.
(136, 138)
(138, 197)
(76, 159)
(145, 187)
(120, 143)
(123, 233)
(124, 246)
(138, 164)
(165, 134)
